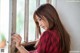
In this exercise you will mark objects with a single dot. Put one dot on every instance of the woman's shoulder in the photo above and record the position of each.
(45, 34)
(52, 33)
(49, 31)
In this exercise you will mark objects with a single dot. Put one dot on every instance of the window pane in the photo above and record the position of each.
(32, 7)
(20, 18)
(4, 21)
(42, 2)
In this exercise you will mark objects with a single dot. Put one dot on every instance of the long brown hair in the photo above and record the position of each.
(49, 12)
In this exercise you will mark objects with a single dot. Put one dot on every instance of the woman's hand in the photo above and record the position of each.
(17, 39)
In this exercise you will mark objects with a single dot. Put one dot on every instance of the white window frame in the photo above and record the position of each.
(12, 22)
(26, 20)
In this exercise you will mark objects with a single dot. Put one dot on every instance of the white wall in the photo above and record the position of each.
(69, 12)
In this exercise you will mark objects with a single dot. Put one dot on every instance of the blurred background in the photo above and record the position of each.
(16, 16)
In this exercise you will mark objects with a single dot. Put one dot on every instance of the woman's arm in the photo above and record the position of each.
(28, 46)
(22, 49)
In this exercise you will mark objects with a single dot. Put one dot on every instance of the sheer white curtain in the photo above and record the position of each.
(4, 20)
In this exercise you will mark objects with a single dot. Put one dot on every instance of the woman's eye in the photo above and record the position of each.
(39, 19)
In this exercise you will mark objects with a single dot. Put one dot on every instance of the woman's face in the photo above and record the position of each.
(43, 23)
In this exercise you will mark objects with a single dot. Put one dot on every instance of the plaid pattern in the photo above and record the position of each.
(49, 43)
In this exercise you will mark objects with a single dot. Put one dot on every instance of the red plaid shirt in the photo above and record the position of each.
(49, 43)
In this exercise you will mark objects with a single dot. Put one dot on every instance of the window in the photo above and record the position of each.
(32, 7)
(20, 18)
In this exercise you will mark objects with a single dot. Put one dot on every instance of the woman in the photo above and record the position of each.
(54, 39)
